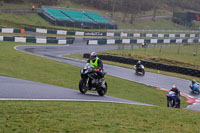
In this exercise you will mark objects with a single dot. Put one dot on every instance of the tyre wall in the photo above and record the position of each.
(148, 64)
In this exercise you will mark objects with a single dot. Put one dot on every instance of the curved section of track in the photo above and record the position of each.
(151, 79)
(18, 89)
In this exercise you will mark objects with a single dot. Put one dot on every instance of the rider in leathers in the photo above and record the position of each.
(98, 65)
(177, 93)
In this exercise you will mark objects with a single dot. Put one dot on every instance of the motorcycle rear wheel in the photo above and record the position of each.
(82, 86)
(102, 91)
(143, 72)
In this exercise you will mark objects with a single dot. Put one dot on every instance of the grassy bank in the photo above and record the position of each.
(175, 55)
(80, 56)
(88, 117)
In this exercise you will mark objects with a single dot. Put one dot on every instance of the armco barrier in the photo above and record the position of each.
(37, 40)
(141, 40)
(106, 34)
(153, 65)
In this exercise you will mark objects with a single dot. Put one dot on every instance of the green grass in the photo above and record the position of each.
(20, 21)
(89, 117)
(15, 34)
(26, 5)
(159, 24)
(34, 68)
(168, 55)
(80, 56)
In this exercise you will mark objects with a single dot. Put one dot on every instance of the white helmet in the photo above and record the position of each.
(93, 56)
(174, 87)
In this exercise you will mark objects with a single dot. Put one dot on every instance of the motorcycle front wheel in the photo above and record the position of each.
(170, 104)
(82, 86)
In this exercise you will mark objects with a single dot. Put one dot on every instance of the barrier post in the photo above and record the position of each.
(22, 30)
(33, 7)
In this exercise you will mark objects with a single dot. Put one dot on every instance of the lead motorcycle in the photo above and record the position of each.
(91, 81)
(172, 100)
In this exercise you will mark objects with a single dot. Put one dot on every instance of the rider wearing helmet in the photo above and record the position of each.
(177, 93)
(97, 63)
(138, 64)
(194, 86)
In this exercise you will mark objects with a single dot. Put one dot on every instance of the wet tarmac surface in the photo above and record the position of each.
(24, 90)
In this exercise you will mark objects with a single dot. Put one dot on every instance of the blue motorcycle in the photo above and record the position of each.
(195, 88)
(172, 100)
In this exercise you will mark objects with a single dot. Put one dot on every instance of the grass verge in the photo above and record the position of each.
(174, 55)
(89, 117)
(80, 56)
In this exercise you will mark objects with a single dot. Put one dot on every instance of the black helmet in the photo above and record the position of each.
(93, 56)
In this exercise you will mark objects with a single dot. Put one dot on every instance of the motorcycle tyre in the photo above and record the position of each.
(102, 91)
(81, 85)
(195, 92)
(143, 72)
(170, 104)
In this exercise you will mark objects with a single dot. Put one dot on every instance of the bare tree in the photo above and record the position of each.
(156, 3)
(126, 9)
(113, 8)
(1, 3)
(135, 10)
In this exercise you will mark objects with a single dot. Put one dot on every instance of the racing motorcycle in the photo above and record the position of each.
(139, 70)
(90, 80)
(172, 100)
(196, 90)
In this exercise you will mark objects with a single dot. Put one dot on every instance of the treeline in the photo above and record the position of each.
(135, 7)
(130, 8)
(43, 2)
(121, 5)
(185, 4)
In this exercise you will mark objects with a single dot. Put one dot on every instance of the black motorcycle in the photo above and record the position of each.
(139, 70)
(90, 80)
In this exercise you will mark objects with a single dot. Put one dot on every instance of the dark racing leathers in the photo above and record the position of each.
(177, 93)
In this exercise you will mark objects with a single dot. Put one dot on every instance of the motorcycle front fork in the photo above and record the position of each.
(87, 83)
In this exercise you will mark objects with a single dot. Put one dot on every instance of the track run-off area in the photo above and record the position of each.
(17, 89)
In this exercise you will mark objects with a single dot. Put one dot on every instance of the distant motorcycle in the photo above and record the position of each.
(172, 100)
(91, 81)
(195, 89)
(139, 70)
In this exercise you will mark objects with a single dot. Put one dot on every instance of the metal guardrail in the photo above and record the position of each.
(154, 31)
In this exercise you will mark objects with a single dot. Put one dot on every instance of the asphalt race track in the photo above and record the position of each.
(23, 89)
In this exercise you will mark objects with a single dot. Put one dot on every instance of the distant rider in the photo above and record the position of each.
(97, 63)
(194, 86)
(138, 64)
(177, 93)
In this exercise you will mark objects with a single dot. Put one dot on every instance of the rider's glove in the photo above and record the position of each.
(97, 70)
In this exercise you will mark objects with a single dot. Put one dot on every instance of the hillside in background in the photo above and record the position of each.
(128, 14)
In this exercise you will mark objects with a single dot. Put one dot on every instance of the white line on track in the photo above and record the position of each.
(78, 100)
